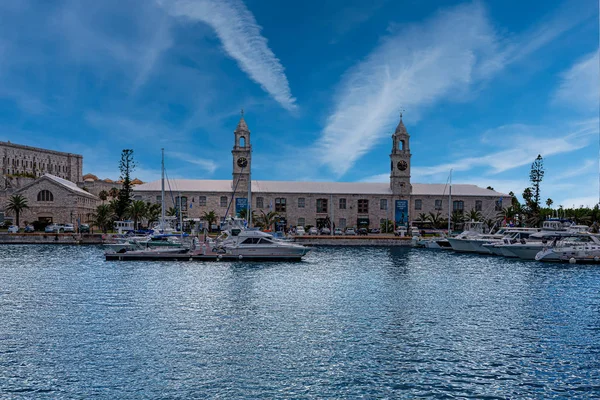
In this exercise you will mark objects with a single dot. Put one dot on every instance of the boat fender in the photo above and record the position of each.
(596, 258)
(219, 256)
(240, 256)
(572, 260)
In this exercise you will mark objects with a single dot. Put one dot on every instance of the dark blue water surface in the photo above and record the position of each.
(345, 323)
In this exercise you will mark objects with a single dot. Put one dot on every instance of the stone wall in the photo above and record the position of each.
(309, 212)
(18, 159)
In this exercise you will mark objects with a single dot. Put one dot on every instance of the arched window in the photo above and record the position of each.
(242, 141)
(401, 145)
(45, 195)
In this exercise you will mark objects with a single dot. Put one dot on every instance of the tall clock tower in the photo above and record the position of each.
(242, 158)
(400, 161)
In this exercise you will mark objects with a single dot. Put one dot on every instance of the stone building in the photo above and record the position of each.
(54, 199)
(25, 160)
(314, 203)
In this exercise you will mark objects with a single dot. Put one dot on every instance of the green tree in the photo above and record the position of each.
(457, 219)
(549, 203)
(126, 166)
(153, 212)
(535, 177)
(423, 217)
(210, 218)
(136, 211)
(387, 226)
(244, 214)
(437, 220)
(103, 195)
(474, 215)
(113, 192)
(104, 217)
(17, 203)
(172, 212)
(490, 188)
(266, 220)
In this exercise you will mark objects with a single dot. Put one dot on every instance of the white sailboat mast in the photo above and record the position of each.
(449, 202)
(162, 191)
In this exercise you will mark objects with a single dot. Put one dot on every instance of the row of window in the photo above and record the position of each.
(322, 205)
(34, 164)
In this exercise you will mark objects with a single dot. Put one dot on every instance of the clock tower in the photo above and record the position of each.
(400, 161)
(242, 158)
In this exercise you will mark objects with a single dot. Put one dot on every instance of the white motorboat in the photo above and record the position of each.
(513, 235)
(528, 248)
(239, 241)
(578, 247)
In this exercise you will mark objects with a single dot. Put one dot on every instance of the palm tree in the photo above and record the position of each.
(244, 214)
(113, 192)
(436, 219)
(210, 218)
(104, 217)
(474, 215)
(16, 204)
(172, 212)
(457, 218)
(103, 195)
(136, 211)
(549, 203)
(266, 220)
(423, 217)
(387, 226)
(153, 212)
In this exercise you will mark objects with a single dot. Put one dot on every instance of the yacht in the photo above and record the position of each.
(460, 243)
(518, 235)
(528, 248)
(577, 247)
(242, 242)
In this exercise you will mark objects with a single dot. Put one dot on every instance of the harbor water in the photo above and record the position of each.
(353, 322)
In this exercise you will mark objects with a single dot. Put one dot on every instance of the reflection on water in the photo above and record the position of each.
(347, 322)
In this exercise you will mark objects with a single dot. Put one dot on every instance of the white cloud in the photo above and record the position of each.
(418, 66)
(205, 164)
(240, 35)
(580, 84)
(412, 68)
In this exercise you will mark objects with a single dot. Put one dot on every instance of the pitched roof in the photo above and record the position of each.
(419, 189)
(68, 185)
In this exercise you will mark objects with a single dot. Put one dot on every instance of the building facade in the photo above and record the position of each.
(54, 199)
(25, 160)
(346, 204)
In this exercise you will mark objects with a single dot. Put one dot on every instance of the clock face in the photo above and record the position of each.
(242, 162)
(402, 165)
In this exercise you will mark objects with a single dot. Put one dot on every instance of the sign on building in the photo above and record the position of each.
(240, 204)
(401, 212)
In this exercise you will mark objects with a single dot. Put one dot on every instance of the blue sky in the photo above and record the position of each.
(485, 86)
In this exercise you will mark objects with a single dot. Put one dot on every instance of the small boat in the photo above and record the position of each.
(575, 248)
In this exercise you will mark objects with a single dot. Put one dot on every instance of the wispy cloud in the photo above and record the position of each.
(579, 85)
(417, 66)
(205, 164)
(240, 35)
(412, 68)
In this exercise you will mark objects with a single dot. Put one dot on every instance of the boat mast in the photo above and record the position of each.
(249, 205)
(162, 191)
(449, 202)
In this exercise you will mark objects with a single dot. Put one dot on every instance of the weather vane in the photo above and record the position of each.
(242, 112)
(401, 111)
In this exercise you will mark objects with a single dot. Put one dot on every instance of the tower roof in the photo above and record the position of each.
(242, 126)
(401, 128)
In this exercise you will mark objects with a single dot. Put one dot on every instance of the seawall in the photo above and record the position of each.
(50, 238)
(372, 240)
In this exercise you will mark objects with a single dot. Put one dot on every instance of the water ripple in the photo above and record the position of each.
(345, 323)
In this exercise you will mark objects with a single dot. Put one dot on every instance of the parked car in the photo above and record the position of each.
(313, 231)
(300, 231)
(29, 229)
(362, 231)
(84, 228)
(54, 228)
(13, 229)
(338, 231)
(375, 230)
(325, 231)
(350, 231)
(69, 228)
